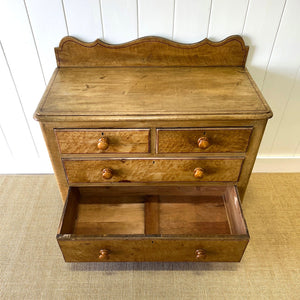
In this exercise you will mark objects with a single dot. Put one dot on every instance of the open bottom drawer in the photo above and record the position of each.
(152, 224)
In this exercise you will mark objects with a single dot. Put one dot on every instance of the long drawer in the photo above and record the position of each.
(83, 141)
(203, 140)
(146, 224)
(152, 170)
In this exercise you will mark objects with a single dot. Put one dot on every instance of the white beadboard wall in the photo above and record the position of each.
(30, 29)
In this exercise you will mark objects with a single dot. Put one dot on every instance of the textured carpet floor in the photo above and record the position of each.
(32, 267)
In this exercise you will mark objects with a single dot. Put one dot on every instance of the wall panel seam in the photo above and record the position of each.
(173, 25)
(101, 18)
(208, 25)
(64, 12)
(19, 98)
(34, 41)
(246, 15)
(5, 139)
(285, 107)
(137, 19)
(273, 45)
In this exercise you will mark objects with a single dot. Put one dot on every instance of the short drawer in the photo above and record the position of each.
(152, 224)
(152, 170)
(83, 141)
(203, 140)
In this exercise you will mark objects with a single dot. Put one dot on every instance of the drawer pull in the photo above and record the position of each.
(203, 142)
(107, 173)
(103, 143)
(104, 254)
(198, 173)
(200, 253)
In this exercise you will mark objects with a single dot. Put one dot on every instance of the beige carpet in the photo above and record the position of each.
(32, 267)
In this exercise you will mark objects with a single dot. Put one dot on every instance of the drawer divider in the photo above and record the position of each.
(152, 215)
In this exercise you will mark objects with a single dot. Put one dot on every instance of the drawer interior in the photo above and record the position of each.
(161, 211)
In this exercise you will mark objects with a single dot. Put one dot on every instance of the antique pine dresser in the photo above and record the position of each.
(152, 143)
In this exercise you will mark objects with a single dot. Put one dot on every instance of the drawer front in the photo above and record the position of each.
(152, 249)
(152, 170)
(203, 140)
(72, 141)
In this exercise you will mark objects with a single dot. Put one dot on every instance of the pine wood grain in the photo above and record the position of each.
(167, 227)
(151, 51)
(151, 92)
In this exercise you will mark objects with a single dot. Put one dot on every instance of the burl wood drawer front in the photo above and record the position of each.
(199, 140)
(82, 141)
(152, 170)
(152, 249)
(145, 224)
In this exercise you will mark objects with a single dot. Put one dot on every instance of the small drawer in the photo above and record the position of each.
(83, 141)
(106, 224)
(203, 140)
(151, 170)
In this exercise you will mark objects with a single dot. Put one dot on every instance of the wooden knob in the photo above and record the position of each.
(203, 142)
(107, 173)
(198, 173)
(104, 254)
(103, 143)
(200, 253)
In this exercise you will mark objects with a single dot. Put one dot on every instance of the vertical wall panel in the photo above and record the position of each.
(119, 20)
(288, 135)
(227, 18)
(191, 20)
(281, 73)
(13, 121)
(260, 30)
(49, 27)
(5, 152)
(84, 19)
(155, 18)
(23, 60)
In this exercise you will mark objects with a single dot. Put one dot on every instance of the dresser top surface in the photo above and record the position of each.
(152, 92)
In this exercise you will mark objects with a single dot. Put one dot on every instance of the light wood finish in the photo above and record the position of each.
(153, 249)
(114, 93)
(198, 172)
(200, 254)
(119, 228)
(151, 51)
(112, 141)
(203, 140)
(107, 173)
(29, 252)
(152, 170)
(140, 133)
(104, 254)
(103, 218)
(152, 215)
(103, 143)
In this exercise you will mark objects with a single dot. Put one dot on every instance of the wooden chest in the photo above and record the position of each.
(152, 143)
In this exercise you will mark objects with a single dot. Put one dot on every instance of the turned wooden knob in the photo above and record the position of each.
(203, 142)
(200, 253)
(107, 173)
(198, 173)
(103, 254)
(103, 143)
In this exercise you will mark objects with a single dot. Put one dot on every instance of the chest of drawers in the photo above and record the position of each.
(152, 143)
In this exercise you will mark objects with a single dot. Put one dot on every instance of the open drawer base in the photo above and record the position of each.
(152, 224)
